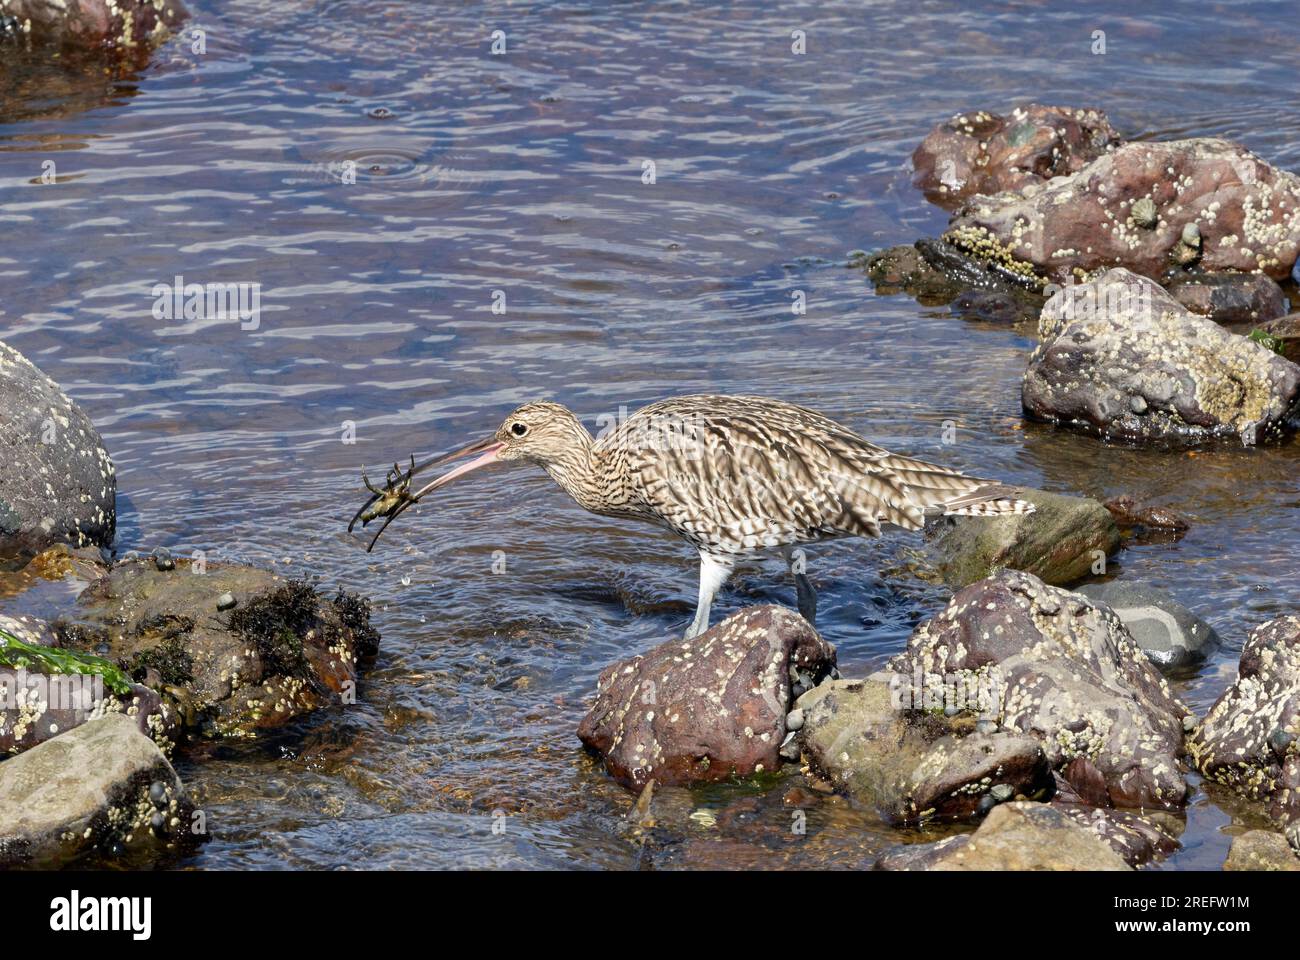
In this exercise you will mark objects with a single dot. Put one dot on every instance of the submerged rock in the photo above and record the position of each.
(1216, 205)
(984, 152)
(1062, 541)
(59, 485)
(1261, 850)
(1065, 671)
(1121, 358)
(1248, 740)
(91, 24)
(1287, 330)
(1171, 636)
(1130, 513)
(1015, 836)
(102, 789)
(914, 766)
(284, 651)
(1230, 297)
(709, 708)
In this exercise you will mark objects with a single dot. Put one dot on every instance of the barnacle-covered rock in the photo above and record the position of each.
(1217, 205)
(100, 791)
(90, 24)
(283, 650)
(1119, 357)
(984, 152)
(874, 740)
(1249, 739)
(1065, 671)
(58, 485)
(709, 708)
(1015, 836)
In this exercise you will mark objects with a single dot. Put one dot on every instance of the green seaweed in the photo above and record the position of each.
(1266, 339)
(17, 653)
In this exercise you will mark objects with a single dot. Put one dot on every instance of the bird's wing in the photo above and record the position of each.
(762, 469)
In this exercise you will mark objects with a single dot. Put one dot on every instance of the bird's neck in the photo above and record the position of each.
(584, 474)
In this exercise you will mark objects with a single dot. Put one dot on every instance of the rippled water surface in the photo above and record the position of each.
(381, 174)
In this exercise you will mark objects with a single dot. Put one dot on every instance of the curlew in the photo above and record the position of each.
(733, 476)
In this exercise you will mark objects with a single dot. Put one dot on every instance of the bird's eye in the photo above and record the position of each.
(519, 429)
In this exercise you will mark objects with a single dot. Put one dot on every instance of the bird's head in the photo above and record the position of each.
(541, 432)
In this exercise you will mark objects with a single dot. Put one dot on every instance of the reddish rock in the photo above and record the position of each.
(1129, 512)
(1119, 357)
(94, 23)
(709, 708)
(1138, 206)
(1064, 670)
(984, 152)
(1249, 739)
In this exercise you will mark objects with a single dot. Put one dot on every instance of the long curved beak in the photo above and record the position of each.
(487, 449)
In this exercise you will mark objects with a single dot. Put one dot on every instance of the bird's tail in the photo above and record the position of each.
(991, 500)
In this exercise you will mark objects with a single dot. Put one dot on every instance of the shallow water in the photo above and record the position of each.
(523, 173)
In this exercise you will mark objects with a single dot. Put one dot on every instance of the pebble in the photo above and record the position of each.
(1279, 740)
(157, 820)
(1189, 723)
(951, 711)
(986, 726)
(794, 720)
(162, 559)
(158, 793)
(986, 804)
(226, 601)
(1002, 792)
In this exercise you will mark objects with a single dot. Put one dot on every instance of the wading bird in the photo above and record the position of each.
(732, 476)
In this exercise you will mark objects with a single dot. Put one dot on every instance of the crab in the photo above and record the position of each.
(395, 493)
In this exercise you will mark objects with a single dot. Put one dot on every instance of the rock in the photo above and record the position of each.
(1129, 513)
(1287, 330)
(1171, 636)
(284, 652)
(986, 153)
(1060, 542)
(60, 485)
(1014, 836)
(1234, 743)
(88, 792)
(914, 767)
(937, 273)
(1121, 358)
(94, 24)
(1240, 213)
(1138, 837)
(1261, 850)
(709, 708)
(1058, 667)
(1230, 297)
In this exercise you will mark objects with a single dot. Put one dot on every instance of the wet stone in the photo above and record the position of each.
(1121, 337)
(1063, 670)
(1171, 636)
(1236, 742)
(1230, 297)
(983, 152)
(709, 708)
(93, 24)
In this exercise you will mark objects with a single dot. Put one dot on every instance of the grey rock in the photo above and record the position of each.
(1002, 792)
(87, 792)
(1122, 336)
(1234, 743)
(59, 485)
(1230, 297)
(1171, 636)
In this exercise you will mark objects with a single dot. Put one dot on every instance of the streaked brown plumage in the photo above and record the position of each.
(731, 475)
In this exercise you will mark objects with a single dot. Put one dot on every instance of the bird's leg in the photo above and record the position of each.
(807, 594)
(713, 574)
